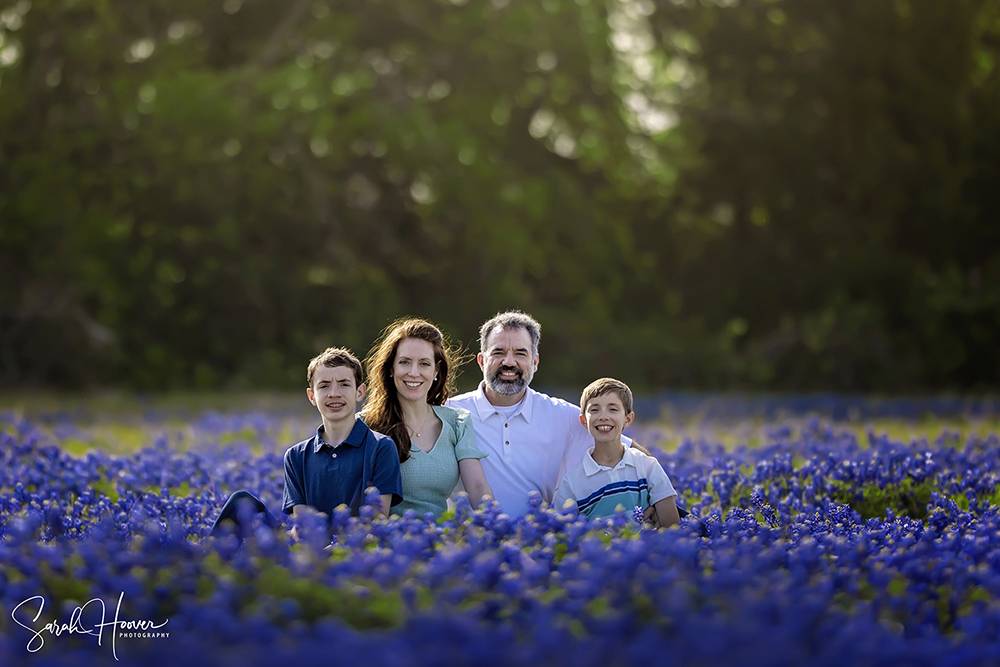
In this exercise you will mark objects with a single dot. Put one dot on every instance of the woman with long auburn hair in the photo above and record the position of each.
(409, 379)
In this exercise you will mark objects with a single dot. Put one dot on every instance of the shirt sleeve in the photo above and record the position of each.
(385, 472)
(563, 493)
(578, 441)
(465, 438)
(659, 483)
(294, 493)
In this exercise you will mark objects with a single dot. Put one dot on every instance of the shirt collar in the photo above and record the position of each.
(355, 438)
(592, 467)
(485, 409)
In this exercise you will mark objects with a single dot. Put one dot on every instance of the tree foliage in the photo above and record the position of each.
(785, 194)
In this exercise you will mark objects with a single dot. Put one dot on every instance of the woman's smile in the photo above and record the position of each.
(414, 368)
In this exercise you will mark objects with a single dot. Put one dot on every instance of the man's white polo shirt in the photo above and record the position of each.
(531, 449)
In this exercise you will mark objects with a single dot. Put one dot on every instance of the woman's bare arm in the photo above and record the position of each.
(474, 480)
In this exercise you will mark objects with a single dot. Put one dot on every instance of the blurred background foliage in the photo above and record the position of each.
(754, 194)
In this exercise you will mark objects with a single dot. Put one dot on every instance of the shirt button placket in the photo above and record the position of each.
(506, 440)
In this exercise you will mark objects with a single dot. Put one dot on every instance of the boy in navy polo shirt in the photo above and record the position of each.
(324, 475)
(345, 458)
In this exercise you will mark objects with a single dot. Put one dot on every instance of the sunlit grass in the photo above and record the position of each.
(668, 436)
(120, 423)
(110, 404)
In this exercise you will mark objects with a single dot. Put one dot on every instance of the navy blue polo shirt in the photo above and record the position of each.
(323, 477)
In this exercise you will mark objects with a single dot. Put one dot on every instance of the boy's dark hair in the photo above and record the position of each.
(607, 386)
(333, 357)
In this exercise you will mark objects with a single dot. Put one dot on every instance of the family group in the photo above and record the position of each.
(417, 443)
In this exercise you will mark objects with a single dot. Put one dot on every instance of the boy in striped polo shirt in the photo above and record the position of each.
(612, 477)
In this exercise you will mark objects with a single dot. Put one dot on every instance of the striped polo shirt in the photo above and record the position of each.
(531, 448)
(638, 480)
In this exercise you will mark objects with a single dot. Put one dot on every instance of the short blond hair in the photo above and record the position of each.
(606, 386)
(334, 357)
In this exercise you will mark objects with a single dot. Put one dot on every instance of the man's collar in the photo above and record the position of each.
(355, 438)
(487, 409)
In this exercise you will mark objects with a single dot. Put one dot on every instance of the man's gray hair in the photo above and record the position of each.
(512, 319)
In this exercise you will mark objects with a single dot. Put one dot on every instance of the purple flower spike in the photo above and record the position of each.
(638, 515)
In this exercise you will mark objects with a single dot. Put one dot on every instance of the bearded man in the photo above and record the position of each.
(531, 438)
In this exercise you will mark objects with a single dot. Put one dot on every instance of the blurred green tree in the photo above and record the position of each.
(846, 190)
(758, 194)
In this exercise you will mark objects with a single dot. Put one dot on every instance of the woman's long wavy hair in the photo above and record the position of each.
(382, 411)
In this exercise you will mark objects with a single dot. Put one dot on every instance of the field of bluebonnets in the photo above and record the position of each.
(837, 531)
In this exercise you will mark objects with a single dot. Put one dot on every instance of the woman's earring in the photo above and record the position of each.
(435, 378)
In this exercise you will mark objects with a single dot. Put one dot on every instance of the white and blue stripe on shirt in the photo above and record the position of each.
(627, 494)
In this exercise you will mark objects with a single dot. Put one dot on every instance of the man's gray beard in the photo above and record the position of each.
(505, 388)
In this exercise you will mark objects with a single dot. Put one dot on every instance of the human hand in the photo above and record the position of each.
(636, 446)
(650, 514)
